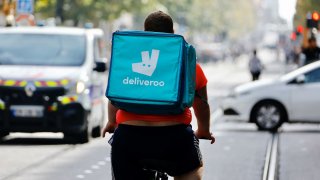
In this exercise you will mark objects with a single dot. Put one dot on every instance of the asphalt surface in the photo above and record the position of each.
(299, 155)
(232, 157)
(240, 151)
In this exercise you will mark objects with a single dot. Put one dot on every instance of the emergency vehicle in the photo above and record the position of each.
(52, 79)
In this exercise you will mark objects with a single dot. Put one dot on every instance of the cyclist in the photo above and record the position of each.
(168, 139)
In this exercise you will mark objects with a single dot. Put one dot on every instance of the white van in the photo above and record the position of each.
(52, 79)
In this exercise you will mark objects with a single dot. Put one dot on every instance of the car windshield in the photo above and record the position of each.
(42, 49)
(295, 73)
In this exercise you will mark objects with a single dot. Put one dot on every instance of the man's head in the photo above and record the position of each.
(159, 22)
(312, 42)
(254, 52)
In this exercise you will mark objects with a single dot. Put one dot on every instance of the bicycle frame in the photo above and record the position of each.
(151, 174)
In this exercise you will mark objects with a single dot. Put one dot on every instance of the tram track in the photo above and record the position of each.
(270, 171)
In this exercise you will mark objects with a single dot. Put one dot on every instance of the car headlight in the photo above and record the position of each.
(80, 87)
(77, 88)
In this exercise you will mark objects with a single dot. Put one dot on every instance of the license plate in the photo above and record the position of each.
(27, 111)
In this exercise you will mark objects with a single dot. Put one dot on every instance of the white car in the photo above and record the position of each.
(294, 97)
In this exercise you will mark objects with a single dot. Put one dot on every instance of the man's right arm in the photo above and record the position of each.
(111, 124)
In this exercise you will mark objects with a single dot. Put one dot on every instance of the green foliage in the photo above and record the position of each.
(46, 8)
(206, 16)
(218, 16)
(86, 10)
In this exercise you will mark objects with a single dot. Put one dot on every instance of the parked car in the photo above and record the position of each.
(293, 97)
(52, 79)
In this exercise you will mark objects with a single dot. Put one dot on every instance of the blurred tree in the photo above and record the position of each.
(59, 10)
(227, 18)
(87, 10)
(178, 9)
(45, 8)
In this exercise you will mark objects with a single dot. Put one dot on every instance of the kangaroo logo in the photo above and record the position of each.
(148, 64)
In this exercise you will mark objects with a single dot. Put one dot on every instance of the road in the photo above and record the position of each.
(240, 152)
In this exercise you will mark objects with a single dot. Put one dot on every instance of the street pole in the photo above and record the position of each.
(59, 11)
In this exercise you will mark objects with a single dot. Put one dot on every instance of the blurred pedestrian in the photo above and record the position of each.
(255, 66)
(311, 51)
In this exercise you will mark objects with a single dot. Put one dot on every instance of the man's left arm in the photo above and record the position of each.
(202, 113)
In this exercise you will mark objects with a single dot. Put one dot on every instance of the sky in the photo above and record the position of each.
(287, 9)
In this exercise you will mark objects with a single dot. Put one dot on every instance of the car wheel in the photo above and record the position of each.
(268, 115)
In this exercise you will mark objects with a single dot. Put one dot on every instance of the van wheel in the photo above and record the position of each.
(268, 115)
(81, 137)
(96, 132)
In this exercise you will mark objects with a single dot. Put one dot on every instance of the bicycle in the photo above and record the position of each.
(151, 172)
(151, 168)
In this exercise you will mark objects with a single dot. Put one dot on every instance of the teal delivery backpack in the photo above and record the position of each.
(151, 72)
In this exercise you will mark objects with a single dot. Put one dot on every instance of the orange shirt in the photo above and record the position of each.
(185, 117)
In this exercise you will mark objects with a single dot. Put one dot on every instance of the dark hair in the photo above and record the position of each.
(159, 22)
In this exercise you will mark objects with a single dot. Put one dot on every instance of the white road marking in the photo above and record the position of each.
(304, 149)
(108, 159)
(227, 148)
(88, 171)
(95, 167)
(102, 163)
(80, 176)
